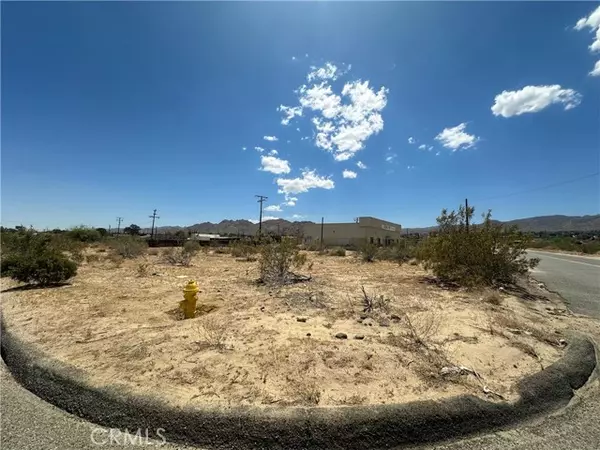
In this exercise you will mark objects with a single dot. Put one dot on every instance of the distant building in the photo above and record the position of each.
(364, 229)
(205, 237)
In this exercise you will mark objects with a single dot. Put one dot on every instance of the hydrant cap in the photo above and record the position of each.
(191, 286)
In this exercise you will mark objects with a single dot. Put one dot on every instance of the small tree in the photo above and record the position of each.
(484, 254)
(132, 229)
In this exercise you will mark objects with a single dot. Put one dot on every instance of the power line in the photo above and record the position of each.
(540, 187)
(261, 199)
(153, 217)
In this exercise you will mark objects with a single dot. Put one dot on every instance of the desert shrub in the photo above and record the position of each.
(485, 254)
(192, 247)
(243, 249)
(177, 257)
(142, 269)
(33, 257)
(592, 247)
(84, 234)
(46, 268)
(374, 303)
(277, 259)
(337, 251)
(92, 258)
(368, 252)
(313, 246)
(128, 246)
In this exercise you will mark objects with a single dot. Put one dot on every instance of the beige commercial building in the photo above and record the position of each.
(364, 229)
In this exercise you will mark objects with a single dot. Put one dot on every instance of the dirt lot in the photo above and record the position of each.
(257, 345)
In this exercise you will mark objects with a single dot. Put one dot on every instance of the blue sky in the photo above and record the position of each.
(114, 109)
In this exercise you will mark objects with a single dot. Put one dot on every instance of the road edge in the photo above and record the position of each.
(354, 427)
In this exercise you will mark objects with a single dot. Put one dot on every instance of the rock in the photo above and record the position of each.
(364, 316)
(301, 319)
(341, 336)
(384, 323)
(359, 320)
(395, 317)
(308, 334)
(360, 337)
(157, 274)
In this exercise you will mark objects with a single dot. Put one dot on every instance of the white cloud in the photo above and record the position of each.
(349, 174)
(274, 165)
(430, 148)
(595, 72)
(309, 180)
(273, 208)
(422, 147)
(456, 138)
(259, 149)
(592, 21)
(273, 152)
(290, 201)
(244, 148)
(298, 216)
(411, 140)
(437, 153)
(265, 218)
(321, 98)
(390, 158)
(327, 72)
(270, 138)
(361, 165)
(410, 167)
(289, 112)
(533, 99)
(293, 58)
(342, 128)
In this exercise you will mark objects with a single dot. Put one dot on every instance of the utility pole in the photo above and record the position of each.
(109, 229)
(153, 217)
(322, 221)
(261, 199)
(119, 220)
(467, 212)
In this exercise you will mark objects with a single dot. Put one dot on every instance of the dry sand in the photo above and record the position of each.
(247, 346)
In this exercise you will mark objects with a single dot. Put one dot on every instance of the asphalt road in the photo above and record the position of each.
(575, 278)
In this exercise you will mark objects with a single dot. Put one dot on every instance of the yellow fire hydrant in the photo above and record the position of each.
(190, 295)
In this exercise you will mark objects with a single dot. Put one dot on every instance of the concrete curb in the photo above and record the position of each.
(357, 427)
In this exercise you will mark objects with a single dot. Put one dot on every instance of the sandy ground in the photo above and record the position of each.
(248, 346)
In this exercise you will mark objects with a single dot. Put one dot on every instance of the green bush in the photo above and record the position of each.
(84, 234)
(400, 252)
(42, 258)
(338, 251)
(485, 254)
(368, 251)
(243, 249)
(128, 246)
(45, 269)
(192, 247)
(277, 259)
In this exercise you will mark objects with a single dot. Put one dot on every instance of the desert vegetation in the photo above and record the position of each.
(278, 323)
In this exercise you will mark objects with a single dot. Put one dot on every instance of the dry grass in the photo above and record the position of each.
(212, 333)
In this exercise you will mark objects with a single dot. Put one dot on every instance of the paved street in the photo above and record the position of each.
(575, 278)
